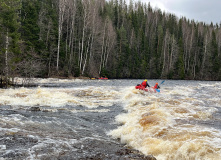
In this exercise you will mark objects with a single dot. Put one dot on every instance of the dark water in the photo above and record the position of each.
(64, 135)
(109, 119)
(68, 131)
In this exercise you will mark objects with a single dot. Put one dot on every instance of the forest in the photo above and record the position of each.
(95, 38)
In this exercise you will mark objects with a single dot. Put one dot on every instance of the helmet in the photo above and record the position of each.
(157, 83)
(145, 80)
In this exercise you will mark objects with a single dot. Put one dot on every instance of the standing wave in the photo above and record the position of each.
(173, 124)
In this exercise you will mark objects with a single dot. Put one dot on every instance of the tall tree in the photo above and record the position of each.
(9, 19)
(62, 5)
(215, 59)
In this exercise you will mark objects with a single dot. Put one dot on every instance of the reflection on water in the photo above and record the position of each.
(85, 119)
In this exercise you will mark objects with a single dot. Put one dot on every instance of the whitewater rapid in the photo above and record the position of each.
(180, 122)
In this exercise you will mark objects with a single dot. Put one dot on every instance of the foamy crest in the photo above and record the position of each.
(45, 80)
(57, 97)
(161, 125)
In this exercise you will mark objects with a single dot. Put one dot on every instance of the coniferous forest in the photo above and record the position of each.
(94, 38)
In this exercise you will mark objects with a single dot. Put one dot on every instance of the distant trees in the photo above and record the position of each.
(104, 38)
(10, 36)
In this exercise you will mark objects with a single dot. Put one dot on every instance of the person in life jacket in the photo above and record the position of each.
(156, 86)
(145, 84)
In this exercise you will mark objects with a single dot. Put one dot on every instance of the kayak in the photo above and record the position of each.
(148, 89)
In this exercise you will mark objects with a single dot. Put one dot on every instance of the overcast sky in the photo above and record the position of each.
(200, 10)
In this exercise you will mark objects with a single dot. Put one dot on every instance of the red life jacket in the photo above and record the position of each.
(140, 87)
(144, 83)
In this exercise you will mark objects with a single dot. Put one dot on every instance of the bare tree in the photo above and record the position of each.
(109, 38)
(165, 69)
(61, 9)
(206, 64)
(90, 32)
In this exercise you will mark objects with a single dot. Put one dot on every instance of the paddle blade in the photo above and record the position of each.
(157, 90)
(162, 82)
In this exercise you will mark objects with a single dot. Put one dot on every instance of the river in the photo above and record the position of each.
(110, 119)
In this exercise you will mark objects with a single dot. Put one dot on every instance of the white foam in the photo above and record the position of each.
(90, 97)
(158, 124)
(2, 147)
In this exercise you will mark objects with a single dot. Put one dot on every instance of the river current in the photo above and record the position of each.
(110, 119)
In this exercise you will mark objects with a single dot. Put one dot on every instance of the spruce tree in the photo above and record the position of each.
(9, 19)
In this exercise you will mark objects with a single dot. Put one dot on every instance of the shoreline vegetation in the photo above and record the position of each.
(99, 38)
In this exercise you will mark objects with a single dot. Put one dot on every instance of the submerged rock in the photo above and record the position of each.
(35, 109)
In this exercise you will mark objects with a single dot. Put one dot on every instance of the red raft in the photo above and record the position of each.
(148, 89)
(103, 78)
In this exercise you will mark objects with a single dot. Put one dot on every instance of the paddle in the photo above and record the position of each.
(162, 82)
(159, 85)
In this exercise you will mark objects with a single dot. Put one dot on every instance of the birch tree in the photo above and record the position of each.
(61, 12)
(109, 39)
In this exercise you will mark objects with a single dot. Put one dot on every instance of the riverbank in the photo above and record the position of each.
(29, 82)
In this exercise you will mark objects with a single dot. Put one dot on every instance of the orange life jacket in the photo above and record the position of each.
(156, 86)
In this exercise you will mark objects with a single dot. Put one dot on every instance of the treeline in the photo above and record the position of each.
(93, 38)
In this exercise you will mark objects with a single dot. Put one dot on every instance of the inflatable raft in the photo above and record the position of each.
(148, 89)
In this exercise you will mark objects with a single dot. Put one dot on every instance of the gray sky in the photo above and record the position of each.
(200, 10)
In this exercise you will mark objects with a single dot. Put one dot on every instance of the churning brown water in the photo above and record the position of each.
(110, 119)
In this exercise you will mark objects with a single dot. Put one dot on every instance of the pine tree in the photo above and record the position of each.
(215, 59)
(30, 28)
(9, 19)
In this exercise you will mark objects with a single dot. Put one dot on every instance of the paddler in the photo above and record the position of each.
(156, 86)
(145, 84)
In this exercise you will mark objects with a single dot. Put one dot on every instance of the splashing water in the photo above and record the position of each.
(79, 118)
(183, 122)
